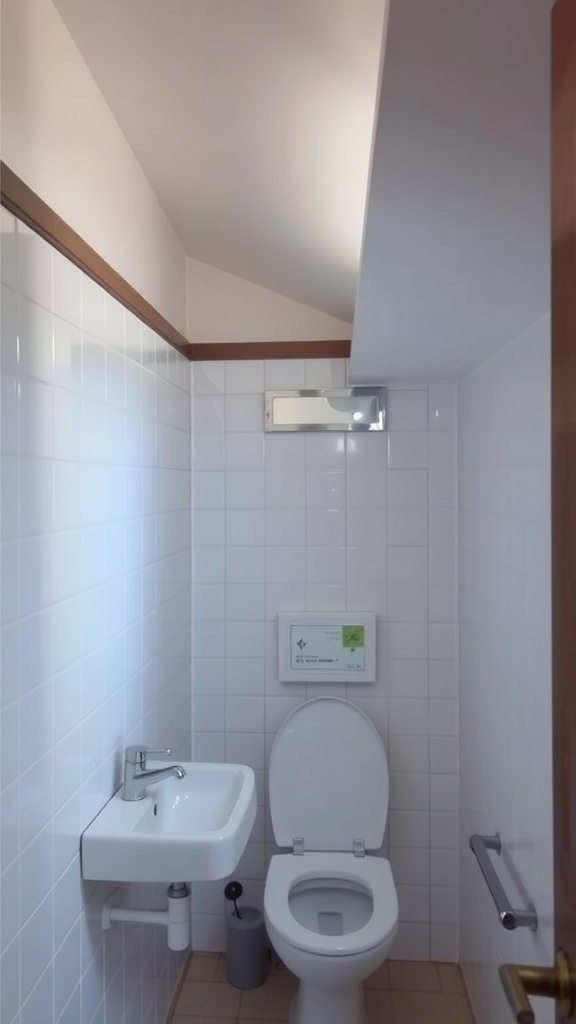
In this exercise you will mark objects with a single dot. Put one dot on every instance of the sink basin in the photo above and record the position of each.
(184, 830)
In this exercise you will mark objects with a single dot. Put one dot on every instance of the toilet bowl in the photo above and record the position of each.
(331, 910)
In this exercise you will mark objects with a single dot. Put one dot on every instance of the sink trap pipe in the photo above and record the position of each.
(176, 918)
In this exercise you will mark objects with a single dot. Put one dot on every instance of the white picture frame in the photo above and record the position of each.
(327, 647)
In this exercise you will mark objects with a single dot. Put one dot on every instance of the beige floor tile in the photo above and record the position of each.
(281, 976)
(431, 1007)
(185, 1019)
(208, 999)
(220, 974)
(378, 1004)
(399, 992)
(380, 978)
(276, 975)
(413, 976)
(451, 979)
(269, 1002)
(203, 967)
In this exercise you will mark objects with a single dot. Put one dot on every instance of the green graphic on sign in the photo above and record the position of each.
(352, 636)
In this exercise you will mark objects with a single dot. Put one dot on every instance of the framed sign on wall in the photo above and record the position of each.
(327, 647)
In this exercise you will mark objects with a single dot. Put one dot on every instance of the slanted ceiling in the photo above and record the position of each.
(253, 121)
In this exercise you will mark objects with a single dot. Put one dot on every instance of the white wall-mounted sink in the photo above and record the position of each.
(190, 829)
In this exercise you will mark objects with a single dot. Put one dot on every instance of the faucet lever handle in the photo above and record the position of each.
(138, 754)
(156, 755)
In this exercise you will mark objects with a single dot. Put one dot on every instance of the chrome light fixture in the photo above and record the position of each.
(339, 409)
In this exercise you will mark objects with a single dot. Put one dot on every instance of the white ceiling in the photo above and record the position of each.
(253, 121)
(456, 252)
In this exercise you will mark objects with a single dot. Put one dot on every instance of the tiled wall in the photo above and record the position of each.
(323, 521)
(505, 650)
(95, 624)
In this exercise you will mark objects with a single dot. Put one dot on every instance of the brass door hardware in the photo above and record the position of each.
(558, 982)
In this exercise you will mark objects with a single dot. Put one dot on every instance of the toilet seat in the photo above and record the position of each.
(372, 873)
(328, 778)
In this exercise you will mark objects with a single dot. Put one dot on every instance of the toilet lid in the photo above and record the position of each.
(328, 778)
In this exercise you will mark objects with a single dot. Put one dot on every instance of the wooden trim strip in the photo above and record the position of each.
(17, 197)
(271, 350)
(564, 468)
(20, 200)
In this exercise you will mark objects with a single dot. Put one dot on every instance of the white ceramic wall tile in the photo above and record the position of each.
(409, 828)
(243, 639)
(283, 451)
(244, 714)
(408, 488)
(441, 488)
(505, 652)
(244, 527)
(210, 602)
(326, 490)
(245, 676)
(326, 373)
(410, 791)
(209, 452)
(245, 489)
(209, 414)
(407, 410)
(407, 602)
(330, 521)
(285, 564)
(244, 413)
(244, 451)
(325, 453)
(244, 377)
(291, 527)
(443, 676)
(442, 407)
(244, 564)
(209, 527)
(407, 526)
(410, 866)
(407, 640)
(442, 450)
(96, 588)
(34, 266)
(408, 565)
(442, 638)
(210, 565)
(285, 489)
(209, 490)
(283, 597)
(285, 374)
(245, 602)
(408, 449)
(326, 565)
(208, 378)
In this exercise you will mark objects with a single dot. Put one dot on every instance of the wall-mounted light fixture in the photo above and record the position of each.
(338, 409)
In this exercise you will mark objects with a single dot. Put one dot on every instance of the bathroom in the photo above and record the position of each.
(99, 419)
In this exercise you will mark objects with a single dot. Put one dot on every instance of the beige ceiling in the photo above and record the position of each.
(253, 121)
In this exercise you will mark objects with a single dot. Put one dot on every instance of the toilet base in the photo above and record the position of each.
(313, 1004)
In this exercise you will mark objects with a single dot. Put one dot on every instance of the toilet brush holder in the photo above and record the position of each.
(246, 946)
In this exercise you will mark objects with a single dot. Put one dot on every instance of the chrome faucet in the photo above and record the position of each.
(137, 776)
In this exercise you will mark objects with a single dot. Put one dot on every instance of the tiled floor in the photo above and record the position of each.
(398, 993)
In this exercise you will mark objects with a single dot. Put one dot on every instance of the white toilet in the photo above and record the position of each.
(330, 910)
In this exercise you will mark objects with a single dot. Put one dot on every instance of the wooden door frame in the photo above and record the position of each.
(564, 468)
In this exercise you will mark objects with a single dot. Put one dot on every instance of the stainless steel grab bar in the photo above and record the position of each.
(509, 918)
